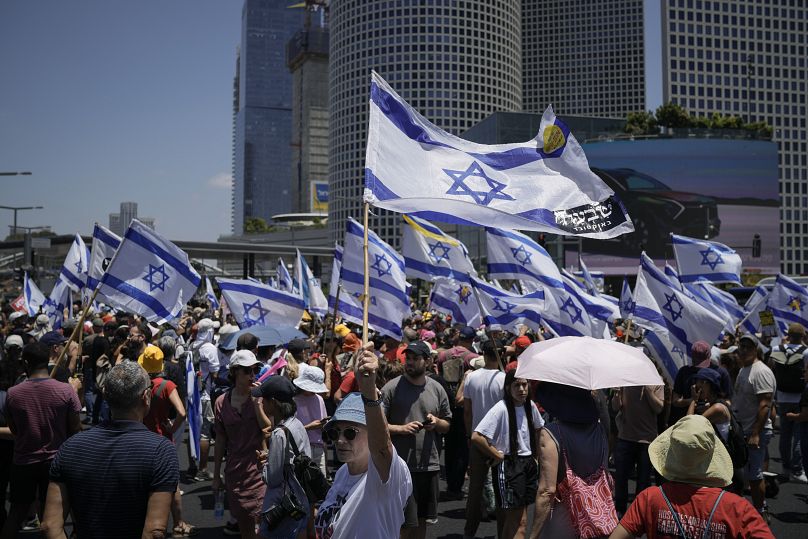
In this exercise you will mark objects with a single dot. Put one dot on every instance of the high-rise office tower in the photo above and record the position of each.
(263, 154)
(456, 62)
(119, 222)
(749, 59)
(583, 57)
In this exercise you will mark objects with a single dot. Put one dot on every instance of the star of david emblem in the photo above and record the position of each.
(438, 256)
(503, 305)
(463, 294)
(49, 304)
(156, 277)
(79, 267)
(795, 303)
(481, 197)
(629, 306)
(382, 265)
(260, 319)
(358, 295)
(707, 260)
(673, 306)
(677, 350)
(572, 311)
(521, 255)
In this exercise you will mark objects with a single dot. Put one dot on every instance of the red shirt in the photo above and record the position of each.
(734, 516)
(160, 407)
(349, 384)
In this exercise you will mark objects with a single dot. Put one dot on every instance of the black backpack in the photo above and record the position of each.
(788, 368)
(307, 472)
(736, 443)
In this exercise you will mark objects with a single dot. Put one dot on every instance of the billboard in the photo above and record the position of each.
(720, 189)
(319, 197)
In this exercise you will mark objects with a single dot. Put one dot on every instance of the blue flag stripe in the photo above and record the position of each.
(178, 265)
(662, 352)
(270, 295)
(136, 294)
(378, 284)
(72, 278)
(356, 230)
(106, 238)
(440, 271)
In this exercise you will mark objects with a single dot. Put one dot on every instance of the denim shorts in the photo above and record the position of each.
(753, 471)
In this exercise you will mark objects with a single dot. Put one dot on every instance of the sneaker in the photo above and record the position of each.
(432, 521)
(31, 525)
(202, 475)
(798, 478)
(231, 528)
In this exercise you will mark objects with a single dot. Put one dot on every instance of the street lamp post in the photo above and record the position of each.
(15, 209)
(15, 173)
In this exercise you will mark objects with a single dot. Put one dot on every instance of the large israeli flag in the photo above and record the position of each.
(193, 403)
(513, 255)
(149, 276)
(313, 296)
(504, 310)
(543, 184)
(105, 243)
(389, 301)
(210, 295)
(349, 308)
(76, 264)
(703, 298)
(430, 253)
(54, 305)
(284, 279)
(672, 315)
(721, 299)
(788, 302)
(753, 306)
(457, 299)
(626, 301)
(705, 261)
(257, 304)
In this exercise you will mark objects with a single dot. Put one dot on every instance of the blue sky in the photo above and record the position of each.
(107, 101)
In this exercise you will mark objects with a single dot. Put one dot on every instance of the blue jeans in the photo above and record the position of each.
(626, 455)
(790, 432)
(753, 471)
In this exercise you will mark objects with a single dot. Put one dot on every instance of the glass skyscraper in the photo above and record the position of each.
(262, 153)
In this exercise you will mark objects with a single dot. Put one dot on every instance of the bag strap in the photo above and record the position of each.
(290, 440)
(159, 392)
(706, 533)
(676, 515)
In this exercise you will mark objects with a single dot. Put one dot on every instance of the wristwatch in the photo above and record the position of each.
(370, 402)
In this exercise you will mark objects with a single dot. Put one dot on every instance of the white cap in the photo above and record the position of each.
(15, 315)
(13, 340)
(311, 379)
(227, 329)
(204, 325)
(243, 358)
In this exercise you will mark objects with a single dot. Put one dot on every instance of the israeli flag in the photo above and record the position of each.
(336, 269)
(788, 302)
(54, 306)
(702, 297)
(595, 313)
(513, 255)
(349, 308)
(705, 261)
(504, 310)
(673, 276)
(626, 301)
(588, 280)
(671, 314)
(105, 243)
(313, 296)
(210, 294)
(389, 290)
(598, 307)
(722, 299)
(284, 279)
(753, 306)
(76, 264)
(34, 298)
(194, 405)
(544, 184)
(149, 276)
(430, 253)
(256, 304)
(457, 299)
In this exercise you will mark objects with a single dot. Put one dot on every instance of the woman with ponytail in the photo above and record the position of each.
(509, 434)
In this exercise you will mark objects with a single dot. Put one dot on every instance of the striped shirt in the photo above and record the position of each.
(110, 471)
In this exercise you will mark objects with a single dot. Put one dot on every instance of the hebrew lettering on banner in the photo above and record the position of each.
(598, 217)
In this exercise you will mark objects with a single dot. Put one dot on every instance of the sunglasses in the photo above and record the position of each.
(250, 370)
(333, 433)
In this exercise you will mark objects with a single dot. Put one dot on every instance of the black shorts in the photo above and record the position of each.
(516, 482)
(28, 479)
(423, 502)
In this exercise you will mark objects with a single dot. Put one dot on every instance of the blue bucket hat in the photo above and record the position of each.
(351, 409)
(709, 375)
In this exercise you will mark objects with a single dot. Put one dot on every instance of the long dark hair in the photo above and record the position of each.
(513, 433)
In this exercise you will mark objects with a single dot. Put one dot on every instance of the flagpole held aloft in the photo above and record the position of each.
(76, 331)
(366, 291)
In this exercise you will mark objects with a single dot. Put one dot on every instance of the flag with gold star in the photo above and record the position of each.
(788, 302)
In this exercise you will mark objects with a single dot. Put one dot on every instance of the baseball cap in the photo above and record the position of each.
(419, 348)
(276, 387)
(522, 342)
(98, 323)
(13, 340)
(243, 358)
(700, 351)
(296, 346)
(467, 332)
(151, 359)
(15, 315)
(52, 338)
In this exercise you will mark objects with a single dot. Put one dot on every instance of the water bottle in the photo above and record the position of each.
(218, 507)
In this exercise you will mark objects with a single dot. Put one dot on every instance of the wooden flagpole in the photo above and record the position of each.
(628, 330)
(77, 331)
(366, 289)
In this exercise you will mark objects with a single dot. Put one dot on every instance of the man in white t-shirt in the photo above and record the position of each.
(481, 390)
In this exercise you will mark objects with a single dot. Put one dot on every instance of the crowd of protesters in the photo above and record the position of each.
(320, 437)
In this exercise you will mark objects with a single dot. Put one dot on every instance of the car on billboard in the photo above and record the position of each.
(657, 210)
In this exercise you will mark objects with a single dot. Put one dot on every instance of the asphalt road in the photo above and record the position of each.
(789, 509)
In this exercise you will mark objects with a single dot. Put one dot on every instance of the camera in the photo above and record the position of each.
(288, 506)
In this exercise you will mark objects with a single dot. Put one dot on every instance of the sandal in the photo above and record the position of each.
(184, 529)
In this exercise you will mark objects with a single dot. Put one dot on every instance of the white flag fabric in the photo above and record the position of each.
(257, 304)
(149, 276)
(597, 307)
(336, 269)
(513, 255)
(194, 406)
(788, 302)
(389, 290)
(76, 264)
(54, 305)
(313, 296)
(504, 310)
(284, 279)
(544, 184)
(105, 243)
(457, 299)
(34, 298)
(705, 261)
(349, 308)
(210, 294)
(430, 253)
(589, 282)
(753, 306)
(626, 301)
(670, 313)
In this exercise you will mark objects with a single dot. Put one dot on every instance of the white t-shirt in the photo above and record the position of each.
(494, 426)
(362, 506)
(208, 363)
(484, 387)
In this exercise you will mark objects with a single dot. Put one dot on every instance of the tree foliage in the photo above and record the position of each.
(674, 116)
(255, 225)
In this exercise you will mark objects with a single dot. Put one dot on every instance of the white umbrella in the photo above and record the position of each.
(587, 363)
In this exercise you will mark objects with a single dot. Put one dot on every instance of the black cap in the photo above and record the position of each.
(52, 338)
(276, 387)
(246, 341)
(296, 346)
(419, 348)
(467, 332)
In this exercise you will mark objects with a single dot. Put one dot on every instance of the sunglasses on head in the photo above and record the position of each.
(332, 434)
